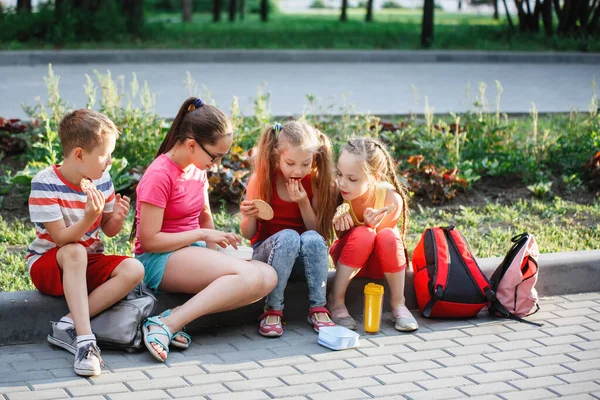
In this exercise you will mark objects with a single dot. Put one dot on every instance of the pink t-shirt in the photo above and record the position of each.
(179, 192)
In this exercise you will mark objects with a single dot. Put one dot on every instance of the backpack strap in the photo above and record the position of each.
(442, 265)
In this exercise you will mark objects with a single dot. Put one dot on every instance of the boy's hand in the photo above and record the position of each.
(121, 208)
(95, 204)
(296, 190)
(344, 223)
(373, 217)
(248, 209)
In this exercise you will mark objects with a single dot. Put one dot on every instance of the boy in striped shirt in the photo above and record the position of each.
(66, 257)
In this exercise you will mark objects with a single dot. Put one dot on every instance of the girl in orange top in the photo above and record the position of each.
(293, 174)
(370, 244)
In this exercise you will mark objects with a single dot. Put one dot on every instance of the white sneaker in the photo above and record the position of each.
(88, 361)
(404, 320)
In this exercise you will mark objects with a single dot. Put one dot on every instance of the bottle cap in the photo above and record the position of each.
(373, 288)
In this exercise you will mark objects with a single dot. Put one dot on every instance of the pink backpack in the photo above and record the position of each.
(514, 280)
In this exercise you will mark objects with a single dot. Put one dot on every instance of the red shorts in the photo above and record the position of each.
(46, 275)
(374, 253)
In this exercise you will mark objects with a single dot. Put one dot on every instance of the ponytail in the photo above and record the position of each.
(322, 172)
(265, 161)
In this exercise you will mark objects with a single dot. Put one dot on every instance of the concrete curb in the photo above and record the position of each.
(25, 315)
(37, 57)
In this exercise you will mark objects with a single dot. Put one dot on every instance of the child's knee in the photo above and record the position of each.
(289, 240)
(364, 235)
(131, 270)
(72, 256)
(312, 241)
(386, 238)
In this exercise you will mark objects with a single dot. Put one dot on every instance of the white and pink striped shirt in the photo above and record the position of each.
(53, 198)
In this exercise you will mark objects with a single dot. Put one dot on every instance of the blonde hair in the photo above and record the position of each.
(378, 161)
(299, 135)
(84, 128)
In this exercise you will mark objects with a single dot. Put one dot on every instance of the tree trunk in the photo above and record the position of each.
(508, 17)
(134, 15)
(369, 17)
(24, 6)
(459, 5)
(595, 19)
(427, 27)
(186, 5)
(547, 17)
(344, 16)
(232, 7)
(496, 14)
(216, 10)
(242, 9)
(264, 10)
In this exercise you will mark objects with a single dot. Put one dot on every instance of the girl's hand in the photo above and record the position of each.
(296, 190)
(223, 239)
(344, 223)
(374, 217)
(248, 209)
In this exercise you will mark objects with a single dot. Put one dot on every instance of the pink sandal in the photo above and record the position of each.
(271, 329)
(317, 323)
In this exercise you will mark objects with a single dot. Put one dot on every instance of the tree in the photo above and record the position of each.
(216, 10)
(24, 6)
(232, 9)
(264, 10)
(242, 9)
(134, 15)
(186, 5)
(369, 17)
(344, 16)
(427, 27)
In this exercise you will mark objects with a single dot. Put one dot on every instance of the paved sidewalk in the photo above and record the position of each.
(482, 358)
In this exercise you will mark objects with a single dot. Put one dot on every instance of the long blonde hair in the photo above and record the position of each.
(377, 160)
(300, 135)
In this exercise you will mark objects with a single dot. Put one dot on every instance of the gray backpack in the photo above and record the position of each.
(120, 326)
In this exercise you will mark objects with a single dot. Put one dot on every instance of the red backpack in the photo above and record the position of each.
(448, 280)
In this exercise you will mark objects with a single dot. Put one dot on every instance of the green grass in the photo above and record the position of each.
(321, 29)
(558, 226)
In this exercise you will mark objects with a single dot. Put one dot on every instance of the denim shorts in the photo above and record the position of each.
(155, 264)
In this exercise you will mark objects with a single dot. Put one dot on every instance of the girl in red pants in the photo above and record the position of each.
(369, 243)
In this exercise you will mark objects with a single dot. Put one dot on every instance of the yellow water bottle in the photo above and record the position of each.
(373, 307)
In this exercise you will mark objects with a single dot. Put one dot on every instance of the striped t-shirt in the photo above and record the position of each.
(53, 198)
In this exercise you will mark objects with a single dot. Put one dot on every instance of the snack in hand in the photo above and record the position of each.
(390, 208)
(86, 184)
(342, 210)
(265, 212)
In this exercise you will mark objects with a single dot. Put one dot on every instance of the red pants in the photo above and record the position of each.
(375, 253)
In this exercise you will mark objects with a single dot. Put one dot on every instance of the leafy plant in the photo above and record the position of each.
(540, 189)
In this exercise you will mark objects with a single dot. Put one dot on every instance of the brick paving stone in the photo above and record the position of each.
(462, 360)
(533, 394)
(25, 348)
(25, 376)
(581, 396)
(374, 360)
(230, 366)
(501, 376)
(549, 360)
(531, 334)
(502, 365)
(533, 372)
(402, 377)
(250, 395)
(316, 377)
(588, 312)
(482, 339)
(333, 365)
(98, 389)
(296, 390)
(583, 376)
(142, 395)
(217, 377)
(461, 370)
(438, 394)
(269, 371)
(579, 366)
(556, 340)
(586, 355)
(254, 384)
(518, 344)
(590, 335)
(311, 348)
(382, 350)
(15, 357)
(349, 373)
(580, 320)
(488, 388)
(511, 355)
(576, 388)
(579, 304)
(566, 330)
(336, 355)
(185, 370)
(161, 383)
(432, 344)
(42, 395)
(349, 394)
(424, 355)
(419, 365)
(439, 335)
(444, 383)
(126, 376)
(292, 360)
(592, 345)
(13, 387)
(396, 389)
(536, 383)
(198, 390)
(25, 366)
(490, 329)
(58, 383)
(355, 383)
(475, 349)
(557, 349)
(393, 340)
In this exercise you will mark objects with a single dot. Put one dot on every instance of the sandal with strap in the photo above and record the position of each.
(268, 328)
(317, 323)
(181, 333)
(154, 337)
